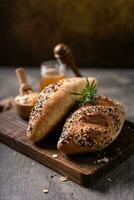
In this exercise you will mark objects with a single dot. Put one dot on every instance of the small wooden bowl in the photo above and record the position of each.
(24, 109)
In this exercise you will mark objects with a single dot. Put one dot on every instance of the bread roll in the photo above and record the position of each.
(54, 102)
(92, 127)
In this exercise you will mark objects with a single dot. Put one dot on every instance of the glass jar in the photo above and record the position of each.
(51, 72)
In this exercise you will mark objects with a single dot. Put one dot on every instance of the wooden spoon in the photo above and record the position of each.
(27, 98)
(64, 55)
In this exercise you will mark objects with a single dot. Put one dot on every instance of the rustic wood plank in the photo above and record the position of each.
(83, 169)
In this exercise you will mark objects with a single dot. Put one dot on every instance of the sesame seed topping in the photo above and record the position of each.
(43, 98)
(92, 125)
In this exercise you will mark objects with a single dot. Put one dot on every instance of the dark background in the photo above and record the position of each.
(101, 33)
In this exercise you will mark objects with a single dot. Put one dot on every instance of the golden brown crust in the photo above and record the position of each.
(92, 127)
(53, 104)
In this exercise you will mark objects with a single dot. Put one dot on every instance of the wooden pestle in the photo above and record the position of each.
(24, 87)
(64, 55)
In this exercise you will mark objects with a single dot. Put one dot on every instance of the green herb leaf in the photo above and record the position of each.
(88, 93)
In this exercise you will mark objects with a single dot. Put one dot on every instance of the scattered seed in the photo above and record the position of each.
(14, 153)
(54, 155)
(109, 179)
(63, 178)
(45, 190)
(105, 159)
(33, 164)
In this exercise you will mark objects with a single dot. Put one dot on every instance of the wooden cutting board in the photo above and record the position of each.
(83, 169)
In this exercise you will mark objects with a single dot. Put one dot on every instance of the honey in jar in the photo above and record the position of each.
(51, 72)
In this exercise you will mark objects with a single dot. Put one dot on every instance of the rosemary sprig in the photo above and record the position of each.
(88, 93)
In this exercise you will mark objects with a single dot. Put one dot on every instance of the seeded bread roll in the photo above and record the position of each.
(92, 127)
(53, 104)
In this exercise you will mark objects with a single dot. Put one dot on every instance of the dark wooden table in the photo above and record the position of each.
(21, 178)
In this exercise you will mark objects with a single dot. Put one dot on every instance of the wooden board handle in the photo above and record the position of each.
(64, 54)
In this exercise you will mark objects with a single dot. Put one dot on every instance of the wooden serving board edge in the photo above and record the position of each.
(83, 179)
